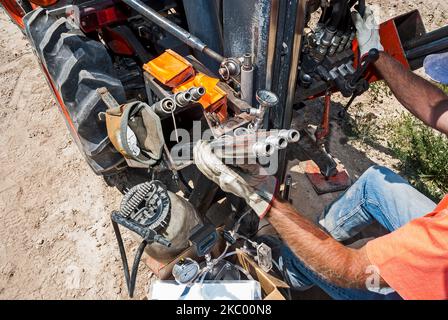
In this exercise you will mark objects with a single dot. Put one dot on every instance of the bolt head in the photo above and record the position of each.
(224, 73)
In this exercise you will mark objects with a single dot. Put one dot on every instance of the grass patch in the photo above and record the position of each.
(379, 89)
(361, 126)
(423, 155)
(422, 152)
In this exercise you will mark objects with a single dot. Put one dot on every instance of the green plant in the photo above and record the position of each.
(378, 89)
(361, 125)
(423, 155)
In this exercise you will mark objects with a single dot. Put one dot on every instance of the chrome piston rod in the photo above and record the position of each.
(173, 29)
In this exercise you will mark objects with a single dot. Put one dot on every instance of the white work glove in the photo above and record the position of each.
(367, 32)
(257, 190)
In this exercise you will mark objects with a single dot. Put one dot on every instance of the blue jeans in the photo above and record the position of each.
(378, 195)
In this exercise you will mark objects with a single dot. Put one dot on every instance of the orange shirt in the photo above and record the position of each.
(413, 260)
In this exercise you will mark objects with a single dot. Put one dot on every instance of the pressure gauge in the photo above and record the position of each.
(185, 271)
(132, 142)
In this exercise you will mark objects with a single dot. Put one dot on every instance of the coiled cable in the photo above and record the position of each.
(134, 197)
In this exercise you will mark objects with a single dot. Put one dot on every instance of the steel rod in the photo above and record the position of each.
(173, 29)
(273, 29)
(418, 62)
(429, 48)
(292, 80)
(297, 46)
(427, 38)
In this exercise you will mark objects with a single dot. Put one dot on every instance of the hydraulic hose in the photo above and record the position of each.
(337, 14)
(184, 181)
(362, 7)
(243, 271)
(129, 277)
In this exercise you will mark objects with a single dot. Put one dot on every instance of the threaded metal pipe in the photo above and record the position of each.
(196, 93)
(164, 106)
(183, 98)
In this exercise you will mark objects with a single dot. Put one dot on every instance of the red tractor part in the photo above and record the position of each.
(17, 9)
(99, 15)
(406, 40)
(14, 10)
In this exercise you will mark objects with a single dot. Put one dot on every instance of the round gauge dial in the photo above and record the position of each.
(132, 142)
(185, 271)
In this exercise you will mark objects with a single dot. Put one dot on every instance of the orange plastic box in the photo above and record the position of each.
(170, 68)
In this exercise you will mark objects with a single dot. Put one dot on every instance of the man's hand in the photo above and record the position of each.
(257, 190)
(367, 32)
(422, 98)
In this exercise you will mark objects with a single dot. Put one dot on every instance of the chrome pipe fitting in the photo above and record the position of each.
(290, 135)
(196, 93)
(263, 149)
(164, 106)
(277, 141)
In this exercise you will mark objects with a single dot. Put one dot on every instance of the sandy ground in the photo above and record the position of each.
(56, 241)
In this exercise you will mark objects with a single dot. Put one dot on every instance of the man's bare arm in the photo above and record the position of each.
(340, 265)
(422, 98)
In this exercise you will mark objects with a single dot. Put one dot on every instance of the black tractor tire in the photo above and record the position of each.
(77, 67)
(25, 5)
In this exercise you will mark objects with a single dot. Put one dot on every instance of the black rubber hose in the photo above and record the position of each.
(184, 181)
(351, 3)
(326, 15)
(124, 259)
(25, 5)
(138, 257)
(130, 278)
(362, 7)
(337, 14)
(346, 21)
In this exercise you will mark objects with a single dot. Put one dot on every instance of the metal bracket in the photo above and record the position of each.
(264, 257)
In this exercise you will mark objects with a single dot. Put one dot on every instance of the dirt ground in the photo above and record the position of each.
(56, 241)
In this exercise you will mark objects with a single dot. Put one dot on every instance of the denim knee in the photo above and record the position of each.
(378, 175)
(345, 216)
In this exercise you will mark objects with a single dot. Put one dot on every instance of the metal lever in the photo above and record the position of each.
(371, 57)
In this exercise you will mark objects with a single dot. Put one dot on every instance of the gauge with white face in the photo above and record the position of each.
(132, 142)
(185, 271)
